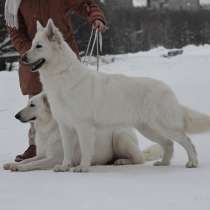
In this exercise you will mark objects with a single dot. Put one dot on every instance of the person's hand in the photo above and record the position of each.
(98, 24)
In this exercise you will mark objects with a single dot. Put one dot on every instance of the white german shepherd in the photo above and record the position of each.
(85, 101)
(124, 143)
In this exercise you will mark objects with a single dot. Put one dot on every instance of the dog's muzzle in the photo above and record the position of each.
(35, 65)
(18, 117)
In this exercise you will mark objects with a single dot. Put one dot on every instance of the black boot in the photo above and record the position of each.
(29, 153)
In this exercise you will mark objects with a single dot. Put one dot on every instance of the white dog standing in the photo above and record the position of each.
(84, 101)
(123, 144)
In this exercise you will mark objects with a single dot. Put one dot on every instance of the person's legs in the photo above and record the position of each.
(31, 151)
(31, 134)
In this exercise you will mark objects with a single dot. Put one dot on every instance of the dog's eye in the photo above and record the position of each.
(38, 46)
(32, 105)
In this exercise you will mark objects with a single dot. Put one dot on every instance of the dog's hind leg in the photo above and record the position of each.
(185, 142)
(125, 147)
(168, 149)
(166, 144)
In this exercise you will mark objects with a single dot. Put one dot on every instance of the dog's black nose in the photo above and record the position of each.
(17, 116)
(24, 58)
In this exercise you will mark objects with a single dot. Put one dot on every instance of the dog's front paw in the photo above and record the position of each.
(7, 166)
(62, 168)
(161, 163)
(80, 169)
(192, 164)
(14, 168)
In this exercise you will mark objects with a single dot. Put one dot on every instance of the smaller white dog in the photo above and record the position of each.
(49, 147)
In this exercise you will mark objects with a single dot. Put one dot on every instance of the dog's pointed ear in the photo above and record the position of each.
(39, 26)
(50, 29)
(53, 34)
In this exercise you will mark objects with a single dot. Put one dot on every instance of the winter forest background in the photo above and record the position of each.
(134, 29)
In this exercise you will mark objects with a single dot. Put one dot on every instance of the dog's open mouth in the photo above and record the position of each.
(32, 119)
(26, 121)
(36, 65)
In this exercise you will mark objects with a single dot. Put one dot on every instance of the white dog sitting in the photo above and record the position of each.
(84, 102)
(49, 147)
(48, 142)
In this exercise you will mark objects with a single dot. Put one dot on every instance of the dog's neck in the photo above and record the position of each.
(67, 66)
(45, 124)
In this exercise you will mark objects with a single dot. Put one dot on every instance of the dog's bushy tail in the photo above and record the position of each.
(154, 152)
(195, 122)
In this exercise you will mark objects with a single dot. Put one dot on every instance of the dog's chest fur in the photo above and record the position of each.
(48, 140)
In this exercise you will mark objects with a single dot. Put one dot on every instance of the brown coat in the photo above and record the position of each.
(33, 10)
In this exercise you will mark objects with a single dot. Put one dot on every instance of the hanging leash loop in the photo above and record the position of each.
(96, 42)
(88, 47)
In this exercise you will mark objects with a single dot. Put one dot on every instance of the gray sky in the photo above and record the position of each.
(143, 2)
(205, 1)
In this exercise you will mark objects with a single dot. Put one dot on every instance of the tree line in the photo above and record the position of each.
(140, 29)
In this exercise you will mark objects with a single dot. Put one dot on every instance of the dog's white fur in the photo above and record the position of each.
(123, 144)
(48, 141)
(84, 101)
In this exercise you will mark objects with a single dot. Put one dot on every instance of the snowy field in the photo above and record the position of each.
(139, 187)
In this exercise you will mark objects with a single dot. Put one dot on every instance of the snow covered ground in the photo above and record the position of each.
(107, 187)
